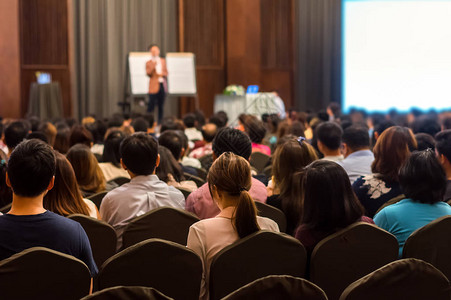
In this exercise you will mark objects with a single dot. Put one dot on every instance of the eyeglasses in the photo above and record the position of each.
(300, 140)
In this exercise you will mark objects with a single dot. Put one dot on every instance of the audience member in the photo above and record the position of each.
(227, 139)
(191, 128)
(6, 195)
(185, 160)
(149, 117)
(328, 135)
(426, 124)
(356, 151)
(170, 171)
(80, 135)
(65, 198)
(229, 182)
(379, 128)
(87, 171)
(37, 135)
(256, 131)
(145, 191)
(443, 149)
(174, 141)
(423, 182)
(289, 158)
(49, 130)
(62, 139)
(208, 133)
(446, 123)
(3, 146)
(111, 158)
(14, 133)
(326, 210)
(390, 153)
(98, 130)
(31, 170)
(424, 141)
(140, 125)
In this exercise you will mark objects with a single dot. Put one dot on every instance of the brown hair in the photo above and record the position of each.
(391, 151)
(65, 197)
(290, 158)
(87, 170)
(49, 130)
(231, 174)
(80, 135)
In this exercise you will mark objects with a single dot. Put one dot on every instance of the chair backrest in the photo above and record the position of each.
(268, 171)
(199, 181)
(121, 180)
(206, 161)
(390, 202)
(43, 273)
(102, 237)
(165, 223)
(171, 268)
(260, 254)
(278, 287)
(349, 254)
(127, 293)
(259, 161)
(432, 243)
(97, 198)
(275, 214)
(411, 279)
(186, 192)
(6, 208)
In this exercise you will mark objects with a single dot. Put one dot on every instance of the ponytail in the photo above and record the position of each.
(245, 220)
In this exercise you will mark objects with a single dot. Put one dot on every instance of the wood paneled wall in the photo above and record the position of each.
(239, 42)
(44, 43)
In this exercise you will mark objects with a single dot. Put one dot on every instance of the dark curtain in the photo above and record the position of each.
(318, 53)
(104, 32)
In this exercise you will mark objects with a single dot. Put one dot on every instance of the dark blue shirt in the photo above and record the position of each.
(49, 230)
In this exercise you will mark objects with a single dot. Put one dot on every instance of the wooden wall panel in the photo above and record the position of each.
(44, 39)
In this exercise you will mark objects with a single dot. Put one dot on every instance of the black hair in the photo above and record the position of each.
(115, 121)
(323, 115)
(426, 124)
(329, 133)
(422, 178)
(232, 140)
(6, 196)
(111, 148)
(172, 140)
(151, 46)
(443, 143)
(356, 137)
(217, 121)
(149, 117)
(98, 130)
(140, 125)
(35, 122)
(255, 129)
(168, 165)
(200, 117)
(31, 167)
(222, 115)
(446, 123)
(424, 141)
(209, 135)
(37, 135)
(15, 133)
(189, 120)
(139, 153)
(169, 123)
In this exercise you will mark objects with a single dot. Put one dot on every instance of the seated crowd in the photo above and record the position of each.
(324, 171)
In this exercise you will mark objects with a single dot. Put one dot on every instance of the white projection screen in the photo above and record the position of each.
(396, 54)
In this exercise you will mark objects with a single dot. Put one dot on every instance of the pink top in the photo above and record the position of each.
(201, 151)
(261, 148)
(200, 202)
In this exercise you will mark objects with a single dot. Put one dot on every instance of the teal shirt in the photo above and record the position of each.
(403, 218)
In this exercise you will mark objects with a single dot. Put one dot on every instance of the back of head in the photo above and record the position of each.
(139, 153)
(62, 140)
(209, 131)
(87, 171)
(391, 151)
(446, 123)
(37, 135)
(111, 152)
(443, 143)
(65, 197)
(31, 167)
(255, 129)
(332, 208)
(356, 137)
(168, 165)
(6, 195)
(189, 120)
(15, 133)
(231, 174)
(140, 125)
(424, 141)
(329, 134)
(170, 123)
(426, 124)
(422, 178)
(232, 140)
(80, 135)
(98, 129)
(49, 130)
(172, 140)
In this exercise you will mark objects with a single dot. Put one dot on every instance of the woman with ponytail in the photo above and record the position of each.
(229, 181)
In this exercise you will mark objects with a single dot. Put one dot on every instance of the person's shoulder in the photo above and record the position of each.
(257, 184)
(63, 223)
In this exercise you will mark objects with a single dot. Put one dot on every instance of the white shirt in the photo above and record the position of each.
(358, 164)
(209, 236)
(334, 158)
(193, 134)
(141, 195)
(158, 67)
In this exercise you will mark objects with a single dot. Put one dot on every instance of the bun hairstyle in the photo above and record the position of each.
(231, 174)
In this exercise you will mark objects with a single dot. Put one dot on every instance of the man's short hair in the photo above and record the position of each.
(329, 134)
(38, 135)
(140, 124)
(209, 131)
(424, 141)
(189, 120)
(15, 133)
(443, 143)
(446, 123)
(426, 124)
(356, 137)
(172, 140)
(31, 167)
(139, 153)
(232, 140)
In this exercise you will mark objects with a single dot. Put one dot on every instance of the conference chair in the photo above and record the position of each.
(5, 209)
(268, 171)
(199, 181)
(259, 161)
(349, 254)
(258, 255)
(165, 223)
(121, 180)
(275, 214)
(432, 243)
(127, 293)
(102, 237)
(172, 269)
(41, 273)
(278, 287)
(390, 202)
(97, 198)
(411, 279)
